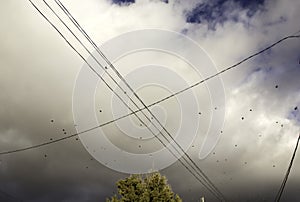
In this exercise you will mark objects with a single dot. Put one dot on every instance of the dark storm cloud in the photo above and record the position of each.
(32, 95)
(219, 11)
(129, 2)
(123, 2)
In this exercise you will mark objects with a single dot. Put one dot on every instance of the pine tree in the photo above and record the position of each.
(151, 188)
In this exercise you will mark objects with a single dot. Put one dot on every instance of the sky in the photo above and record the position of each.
(256, 105)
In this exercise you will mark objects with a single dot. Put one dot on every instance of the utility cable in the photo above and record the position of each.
(106, 83)
(280, 191)
(126, 83)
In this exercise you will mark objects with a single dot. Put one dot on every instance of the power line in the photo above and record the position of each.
(226, 69)
(60, 33)
(121, 117)
(121, 77)
(154, 103)
(129, 114)
(280, 191)
(111, 65)
(145, 107)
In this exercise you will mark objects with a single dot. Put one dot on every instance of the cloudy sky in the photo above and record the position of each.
(39, 73)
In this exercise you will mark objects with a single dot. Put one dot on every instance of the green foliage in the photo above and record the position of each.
(152, 188)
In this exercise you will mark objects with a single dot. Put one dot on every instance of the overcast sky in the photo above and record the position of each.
(262, 97)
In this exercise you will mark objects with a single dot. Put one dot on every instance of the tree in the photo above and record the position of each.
(151, 188)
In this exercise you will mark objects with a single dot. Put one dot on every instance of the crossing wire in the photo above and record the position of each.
(126, 83)
(60, 33)
(131, 113)
(145, 107)
(159, 101)
(205, 178)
